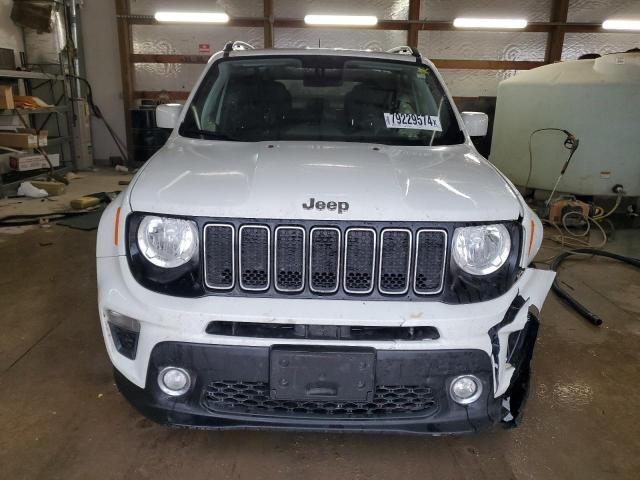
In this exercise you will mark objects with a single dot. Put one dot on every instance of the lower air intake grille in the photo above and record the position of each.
(252, 398)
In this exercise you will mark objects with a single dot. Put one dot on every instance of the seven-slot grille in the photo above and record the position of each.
(324, 260)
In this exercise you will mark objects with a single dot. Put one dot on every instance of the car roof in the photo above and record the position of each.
(343, 52)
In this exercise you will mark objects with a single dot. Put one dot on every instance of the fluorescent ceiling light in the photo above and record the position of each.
(192, 17)
(621, 25)
(489, 23)
(352, 20)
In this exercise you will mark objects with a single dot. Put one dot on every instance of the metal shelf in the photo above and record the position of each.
(32, 175)
(29, 75)
(51, 142)
(49, 82)
(36, 111)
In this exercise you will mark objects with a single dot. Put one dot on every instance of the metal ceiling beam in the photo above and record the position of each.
(126, 73)
(268, 23)
(555, 39)
(414, 16)
(387, 25)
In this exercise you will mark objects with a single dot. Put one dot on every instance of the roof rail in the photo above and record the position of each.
(237, 45)
(402, 50)
(406, 50)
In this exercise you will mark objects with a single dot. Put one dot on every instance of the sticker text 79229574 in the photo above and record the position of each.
(413, 121)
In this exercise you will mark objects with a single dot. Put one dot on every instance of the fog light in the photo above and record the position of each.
(174, 381)
(465, 389)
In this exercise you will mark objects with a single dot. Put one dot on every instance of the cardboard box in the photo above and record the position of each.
(30, 102)
(52, 187)
(23, 138)
(85, 202)
(6, 97)
(26, 162)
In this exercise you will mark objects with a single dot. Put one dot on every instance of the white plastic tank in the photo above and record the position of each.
(596, 100)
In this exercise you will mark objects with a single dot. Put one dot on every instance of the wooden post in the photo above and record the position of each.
(124, 44)
(414, 15)
(268, 23)
(555, 39)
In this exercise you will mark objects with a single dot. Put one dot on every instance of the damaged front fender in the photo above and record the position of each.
(512, 344)
(516, 395)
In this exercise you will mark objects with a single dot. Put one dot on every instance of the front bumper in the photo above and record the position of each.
(180, 323)
(231, 383)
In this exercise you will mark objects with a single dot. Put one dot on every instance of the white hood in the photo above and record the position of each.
(273, 180)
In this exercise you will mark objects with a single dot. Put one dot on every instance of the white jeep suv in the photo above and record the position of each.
(320, 246)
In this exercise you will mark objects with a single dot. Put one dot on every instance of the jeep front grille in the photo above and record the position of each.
(352, 261)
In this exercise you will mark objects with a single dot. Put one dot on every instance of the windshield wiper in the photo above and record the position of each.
(208, 134)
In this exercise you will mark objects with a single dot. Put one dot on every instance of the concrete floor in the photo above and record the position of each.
(61, 416)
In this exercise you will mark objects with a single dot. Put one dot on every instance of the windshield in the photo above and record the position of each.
(322, 98)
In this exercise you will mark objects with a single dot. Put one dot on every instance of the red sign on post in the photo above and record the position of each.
(204, 48)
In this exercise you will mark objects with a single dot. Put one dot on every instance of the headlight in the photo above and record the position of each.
(481, 250)
(167, 242)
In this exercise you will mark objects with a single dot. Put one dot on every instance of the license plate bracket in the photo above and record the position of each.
(322, 375)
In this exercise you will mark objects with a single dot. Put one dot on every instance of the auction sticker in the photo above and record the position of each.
(413, 121)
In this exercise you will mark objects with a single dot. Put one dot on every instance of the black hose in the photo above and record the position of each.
(571, 143)
(581, 309)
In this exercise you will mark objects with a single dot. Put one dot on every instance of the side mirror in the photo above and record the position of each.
(477, 123)
(167, 115)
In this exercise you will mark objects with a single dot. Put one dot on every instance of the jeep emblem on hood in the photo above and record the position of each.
(320, 205)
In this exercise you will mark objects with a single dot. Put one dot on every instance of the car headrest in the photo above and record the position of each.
(365, 104)
(255, 103)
